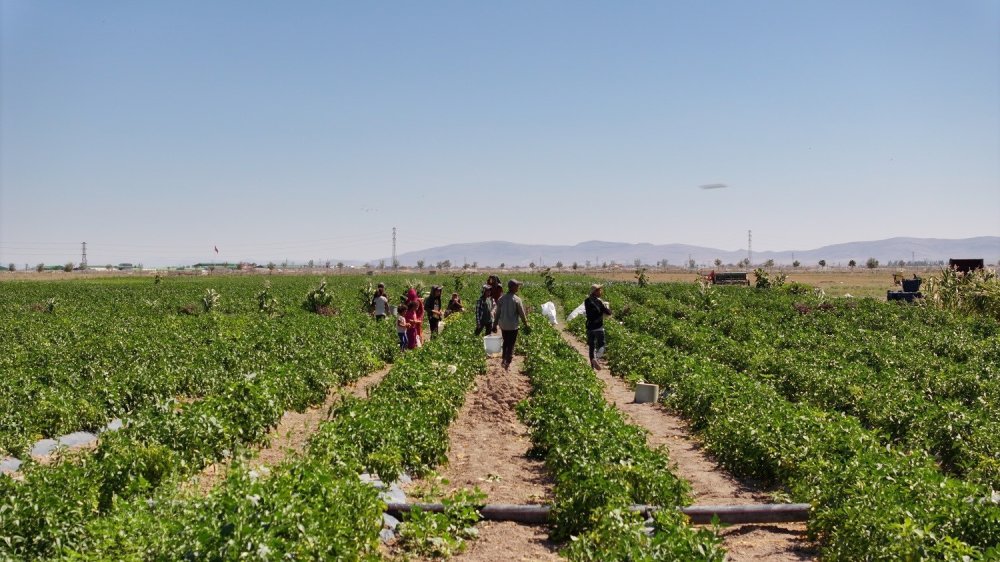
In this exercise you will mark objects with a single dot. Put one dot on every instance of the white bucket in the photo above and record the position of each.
(493, 344)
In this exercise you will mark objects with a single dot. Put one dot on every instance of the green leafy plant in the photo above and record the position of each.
(550, 280)
(443, 534)
(210, 300)
(365, 296)
(640, 277)
(267, 303)
(319, 300)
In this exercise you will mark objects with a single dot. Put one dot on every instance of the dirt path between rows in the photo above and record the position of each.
(710, 483)
(292, 433)
(488, 447)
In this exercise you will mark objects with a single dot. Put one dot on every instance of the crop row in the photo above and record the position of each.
(111, 348)
(601, 465)
(169, 439)
(927, 379)
(313, 506)
(870, 502)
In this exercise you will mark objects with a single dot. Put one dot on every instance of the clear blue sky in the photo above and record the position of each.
(299, 130)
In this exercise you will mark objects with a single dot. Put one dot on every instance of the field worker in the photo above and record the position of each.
(496, 291)
(412, 337)
(434, 308)
(380, 303)
(596, 310)
(402, 324)
(454, 305)
(411, 297)
(485, 312)
(510, 311)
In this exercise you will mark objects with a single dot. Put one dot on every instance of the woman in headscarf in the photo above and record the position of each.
(411, 324)
(411, 296)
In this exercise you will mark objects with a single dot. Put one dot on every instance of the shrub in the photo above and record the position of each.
(210, 300)
(319, 301)
(266, 302)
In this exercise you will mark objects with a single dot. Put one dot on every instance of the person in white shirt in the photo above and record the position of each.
(380, 303)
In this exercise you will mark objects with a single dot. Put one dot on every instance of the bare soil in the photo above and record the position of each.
(710, 483)
(488, 450)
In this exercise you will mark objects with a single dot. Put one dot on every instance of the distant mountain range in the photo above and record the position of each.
(596, 252)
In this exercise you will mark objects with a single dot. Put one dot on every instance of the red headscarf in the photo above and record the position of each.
(411, 296)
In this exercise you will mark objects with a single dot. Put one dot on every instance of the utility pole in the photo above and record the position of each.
(749, 247)
(395, 262)
(83, 258)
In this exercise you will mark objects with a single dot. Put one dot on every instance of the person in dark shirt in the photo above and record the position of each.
(433, 306)
(485, 312)
(596, 310)
(454, 305)
(496, 291)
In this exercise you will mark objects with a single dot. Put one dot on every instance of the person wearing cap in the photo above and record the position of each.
(485, 313)
(596, 310)
(380, 303)
(510, 312)
(434, 308)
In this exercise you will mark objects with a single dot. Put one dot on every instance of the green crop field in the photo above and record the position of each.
(884, 417)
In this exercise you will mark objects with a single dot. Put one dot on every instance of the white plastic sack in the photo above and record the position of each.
(549, 312)
(576, 312)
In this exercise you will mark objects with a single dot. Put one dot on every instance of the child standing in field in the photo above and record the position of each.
(402, 324)
(380, 303)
